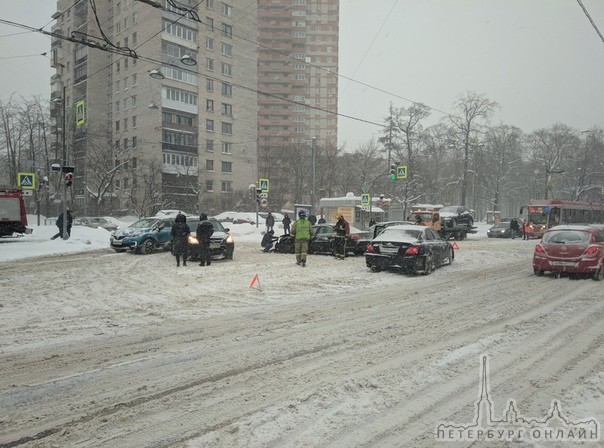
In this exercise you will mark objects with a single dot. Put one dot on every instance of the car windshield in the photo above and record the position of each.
(144, 223)
(501, 225)
(218, 227)
(400, 235)
(449, 209)
(566, 237)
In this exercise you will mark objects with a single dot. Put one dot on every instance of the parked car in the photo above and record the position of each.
(572, 249)
(322, 241)
(222, 245)
(143, 236)
(411, 248)
(95, 222)
(503, 230)
(457, 215)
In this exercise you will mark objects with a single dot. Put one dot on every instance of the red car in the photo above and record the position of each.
(572, 249)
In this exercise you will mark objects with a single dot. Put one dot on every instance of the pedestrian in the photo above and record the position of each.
(267, 240)
(204, 231)
(60, 226)
(180, 239)
(312, 219)
(371, 222)
(342, 231)
(301, 232)
(270, 222)
(321, 220)
(514, 227)
(525, 230)
(286, 222)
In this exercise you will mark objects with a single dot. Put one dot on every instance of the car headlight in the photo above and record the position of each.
(230, 240)
(193, 240)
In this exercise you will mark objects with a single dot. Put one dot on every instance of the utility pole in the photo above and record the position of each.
(314, 184)
(63, 164)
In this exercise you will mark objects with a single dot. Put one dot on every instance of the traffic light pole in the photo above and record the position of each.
(64, 195)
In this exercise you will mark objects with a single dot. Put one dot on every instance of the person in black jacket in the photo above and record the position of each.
(60, 226)
(204, 231)
(286, 222)
(270, 222)
(267, 240)
(180, 236)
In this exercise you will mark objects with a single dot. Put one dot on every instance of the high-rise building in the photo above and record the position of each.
(298, 90)
(159, 110)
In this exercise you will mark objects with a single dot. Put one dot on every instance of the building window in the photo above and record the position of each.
(209, 24)
(210, 64)
(126, 143)
(227, 148)
(177, 30)
(209, 183)
(227, 30)
(209, 165)
(209, 145)
(134, 142)
(209, 125)
(125, 124)
(227, 69)
(227, 89)
(209, 43)
(209, 85)
(226, 49)
(227, 109)
(227, 167)
(210, 105)
(226, 186)
(133, 121)
(117, 126)
(227, 10)
(181, 96)
(227, 128)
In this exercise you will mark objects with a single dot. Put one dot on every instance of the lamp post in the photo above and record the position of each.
(314, 185)
(64, 160)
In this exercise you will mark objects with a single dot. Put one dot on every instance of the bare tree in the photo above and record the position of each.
(473, 108)
(145, 193)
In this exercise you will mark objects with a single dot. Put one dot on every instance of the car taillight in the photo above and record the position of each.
(412, 250)
(355, 236)
(591, 250)
(539, 248)
(370, 248)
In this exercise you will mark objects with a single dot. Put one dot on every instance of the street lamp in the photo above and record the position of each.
(64, 160)
(314, 184)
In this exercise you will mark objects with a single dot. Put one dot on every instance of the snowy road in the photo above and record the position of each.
(104, 349)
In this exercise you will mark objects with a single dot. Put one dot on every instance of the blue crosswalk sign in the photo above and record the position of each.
(263, 185)
(27, 181)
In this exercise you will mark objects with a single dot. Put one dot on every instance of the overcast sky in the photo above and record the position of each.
(541, 60)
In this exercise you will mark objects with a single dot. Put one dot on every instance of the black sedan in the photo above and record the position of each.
(222, 245)
(502, 230)
(322, 241)
(410, 248)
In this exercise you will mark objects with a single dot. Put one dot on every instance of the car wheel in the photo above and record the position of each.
(599, 276)
(147, 247)
(428, 265)
(375, 268)
(450, 256)
(538, 272)
(228, 255)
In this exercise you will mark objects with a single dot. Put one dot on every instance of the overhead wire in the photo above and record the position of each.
(590, 19)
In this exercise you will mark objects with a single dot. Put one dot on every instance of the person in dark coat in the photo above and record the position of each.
(312, 219)
(371, 222)
(267, 240)
(286, 222)
(60, 225)
(342, 229)
(204, 231)
(180, 239)
(514, 227)
(321, 220)
(270, 222)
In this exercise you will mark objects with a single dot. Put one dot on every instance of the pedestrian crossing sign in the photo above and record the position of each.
(263, 185)
(27, 181)
(365, 198)
(401, 172)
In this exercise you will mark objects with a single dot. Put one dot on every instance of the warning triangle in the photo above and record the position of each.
(454, 245)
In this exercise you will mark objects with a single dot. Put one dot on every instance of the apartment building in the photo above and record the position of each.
(298, 91)
(160, 109)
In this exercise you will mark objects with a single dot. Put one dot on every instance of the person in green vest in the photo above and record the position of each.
(301, 231)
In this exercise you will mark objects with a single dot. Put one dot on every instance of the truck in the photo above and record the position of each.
(449, 229)
(13, 216)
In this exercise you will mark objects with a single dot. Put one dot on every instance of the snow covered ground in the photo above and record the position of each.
(102, 349)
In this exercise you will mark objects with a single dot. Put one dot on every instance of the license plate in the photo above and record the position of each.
(389, 250)
(564, 263)
(117, 243)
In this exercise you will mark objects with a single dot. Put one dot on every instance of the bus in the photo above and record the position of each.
(546, 213)
(13, 218)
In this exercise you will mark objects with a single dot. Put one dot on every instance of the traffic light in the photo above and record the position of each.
(392, 174)
(68, 179)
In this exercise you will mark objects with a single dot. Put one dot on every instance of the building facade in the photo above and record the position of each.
(162, 112)
(297, 93)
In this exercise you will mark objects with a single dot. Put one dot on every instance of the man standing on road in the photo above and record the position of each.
(301, 231)
(180, 239)
(60, 226)
(270, 222)
(286, 222)
(342, 231)
(204, 231)
(514, 227)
